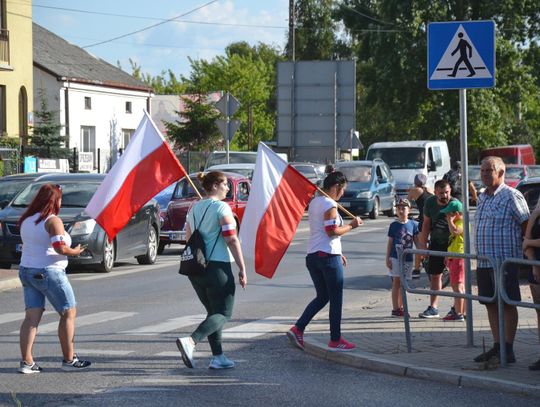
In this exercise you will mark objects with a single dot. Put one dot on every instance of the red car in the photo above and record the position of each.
(173, 228)
(515, 173)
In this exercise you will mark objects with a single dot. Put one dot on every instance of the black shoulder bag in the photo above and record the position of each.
(193, 259)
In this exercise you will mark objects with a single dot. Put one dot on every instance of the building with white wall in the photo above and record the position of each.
(98, 104)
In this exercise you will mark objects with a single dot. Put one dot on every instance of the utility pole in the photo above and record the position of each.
(291, 30)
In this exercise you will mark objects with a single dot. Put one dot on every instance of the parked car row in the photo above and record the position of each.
(138, 239)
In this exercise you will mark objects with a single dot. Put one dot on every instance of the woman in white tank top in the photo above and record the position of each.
(46, 246)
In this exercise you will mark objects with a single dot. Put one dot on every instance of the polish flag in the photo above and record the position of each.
(279, 194)
(147, 166)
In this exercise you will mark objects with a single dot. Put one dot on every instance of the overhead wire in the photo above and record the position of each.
(151, 26)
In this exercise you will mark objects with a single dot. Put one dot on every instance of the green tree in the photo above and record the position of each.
(248, 73)
(389, 39)
(314, 36)
(46, 132)
(166, 83)
(196, 129)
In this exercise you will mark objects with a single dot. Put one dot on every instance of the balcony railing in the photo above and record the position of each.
(4, 46)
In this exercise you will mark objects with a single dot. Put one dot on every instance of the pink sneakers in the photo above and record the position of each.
(296, 336)
(340, 346)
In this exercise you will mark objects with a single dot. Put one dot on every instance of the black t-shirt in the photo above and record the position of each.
(439, 232)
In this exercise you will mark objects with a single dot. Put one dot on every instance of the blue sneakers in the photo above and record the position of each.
(430, 312)
(221, 362)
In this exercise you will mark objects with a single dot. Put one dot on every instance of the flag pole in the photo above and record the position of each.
(338, 204)
(194, 187)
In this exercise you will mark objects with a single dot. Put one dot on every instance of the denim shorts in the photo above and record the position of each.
(49, 282)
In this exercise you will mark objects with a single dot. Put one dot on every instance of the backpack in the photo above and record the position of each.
(193, 259)
(454, 180)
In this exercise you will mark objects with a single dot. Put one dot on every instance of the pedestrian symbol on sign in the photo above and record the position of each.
(461, 60)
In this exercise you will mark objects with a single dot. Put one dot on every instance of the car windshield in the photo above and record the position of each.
(10, 187)
(75, 194)
(185, 189)
(234, 158)
(399, 157)
(307, 171)
(474, 173)
(164, 196)
(357, 173)
(514, 172)
(534, 171)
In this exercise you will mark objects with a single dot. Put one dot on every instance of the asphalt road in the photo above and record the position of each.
(129, 320)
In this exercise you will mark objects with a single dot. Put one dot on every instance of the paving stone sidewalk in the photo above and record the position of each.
(439, 348)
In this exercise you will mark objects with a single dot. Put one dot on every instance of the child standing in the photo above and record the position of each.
(456, 266)
(401, 234)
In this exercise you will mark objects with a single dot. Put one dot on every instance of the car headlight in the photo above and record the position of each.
(83, 228)
(365, 194)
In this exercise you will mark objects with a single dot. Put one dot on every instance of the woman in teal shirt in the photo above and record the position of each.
(215, 288)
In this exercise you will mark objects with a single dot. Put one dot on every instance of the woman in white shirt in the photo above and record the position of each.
(42, 272)
(325, 262)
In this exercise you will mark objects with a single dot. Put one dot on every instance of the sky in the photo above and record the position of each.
(204, 31)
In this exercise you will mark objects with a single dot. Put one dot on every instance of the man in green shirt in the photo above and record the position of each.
(435, 227)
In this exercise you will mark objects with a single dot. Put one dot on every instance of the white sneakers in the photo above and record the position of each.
(187, 349)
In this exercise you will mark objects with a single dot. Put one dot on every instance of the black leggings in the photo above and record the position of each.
(215, 289)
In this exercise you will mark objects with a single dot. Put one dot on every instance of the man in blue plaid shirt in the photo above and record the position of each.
(500, 222)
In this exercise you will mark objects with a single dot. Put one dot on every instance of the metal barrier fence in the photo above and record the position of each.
(467, 295)
(500, 295)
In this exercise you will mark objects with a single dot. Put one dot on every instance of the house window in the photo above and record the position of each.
(4, 34)
(126, 136)
(3, 112)
(128, 107)
(87, 103)
(23, 115)
(88, 141)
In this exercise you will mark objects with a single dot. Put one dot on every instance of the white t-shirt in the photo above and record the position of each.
(318, 239)
(37, 249)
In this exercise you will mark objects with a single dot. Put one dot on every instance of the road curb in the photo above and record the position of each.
(10, 284)
(380, 364)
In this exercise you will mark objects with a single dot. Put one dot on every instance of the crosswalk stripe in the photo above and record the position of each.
(85, 320)
(131, 270)
(16, 316)
(167, 326)
(106, 352)
(258, 328)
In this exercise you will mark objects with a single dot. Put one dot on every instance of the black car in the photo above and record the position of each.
(530, 188)
(11, 185)
(139, 238)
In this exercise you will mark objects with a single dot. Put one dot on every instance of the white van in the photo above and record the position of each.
(408, 158)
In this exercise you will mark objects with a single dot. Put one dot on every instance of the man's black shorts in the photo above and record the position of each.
(436, 263)
(485, 279)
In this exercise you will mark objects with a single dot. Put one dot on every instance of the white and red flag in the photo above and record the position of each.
(279, 195)
(147, 166)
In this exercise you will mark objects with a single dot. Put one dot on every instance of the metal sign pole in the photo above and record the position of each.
(227, 125)
(466, 221)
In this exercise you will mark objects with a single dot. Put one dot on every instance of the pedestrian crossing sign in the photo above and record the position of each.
(461, 55)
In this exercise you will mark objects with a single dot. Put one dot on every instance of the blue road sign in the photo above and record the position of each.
(461, 55)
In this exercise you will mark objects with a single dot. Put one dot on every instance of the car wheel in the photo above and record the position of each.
(161, 248)
(5, 265)
(391, 212)
(152, 248)
(107, 263)
(374, 214)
